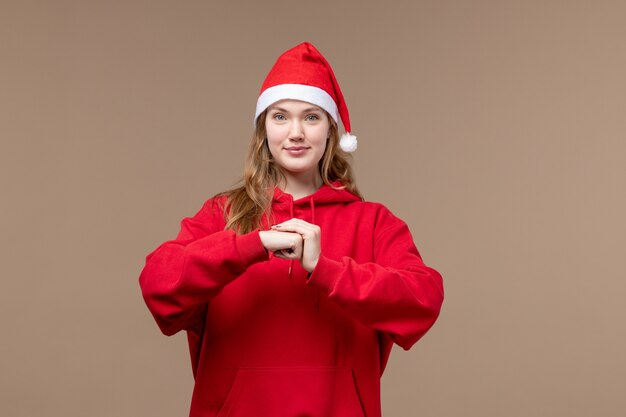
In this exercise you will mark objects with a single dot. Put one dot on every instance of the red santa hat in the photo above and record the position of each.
(302, 73)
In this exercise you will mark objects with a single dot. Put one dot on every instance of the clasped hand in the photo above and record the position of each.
(294, 239)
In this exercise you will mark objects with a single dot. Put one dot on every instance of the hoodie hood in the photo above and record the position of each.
(324, 195)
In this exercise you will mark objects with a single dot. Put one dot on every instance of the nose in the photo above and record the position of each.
(296, 131)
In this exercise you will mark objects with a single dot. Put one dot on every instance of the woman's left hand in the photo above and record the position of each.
(311, 240)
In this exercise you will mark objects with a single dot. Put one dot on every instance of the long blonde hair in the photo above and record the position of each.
(247, 204)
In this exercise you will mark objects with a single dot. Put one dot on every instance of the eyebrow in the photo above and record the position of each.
(303, 111)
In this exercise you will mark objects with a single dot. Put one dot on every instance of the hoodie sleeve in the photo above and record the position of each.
(180, 276)
(396, 294)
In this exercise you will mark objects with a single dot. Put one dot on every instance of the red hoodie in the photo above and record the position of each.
(265, 339)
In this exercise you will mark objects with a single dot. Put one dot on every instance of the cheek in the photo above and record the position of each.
(275, 133)
(319, 135)
(273, 147)
(273, 137)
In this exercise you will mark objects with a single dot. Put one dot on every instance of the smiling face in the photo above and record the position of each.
(297, 133)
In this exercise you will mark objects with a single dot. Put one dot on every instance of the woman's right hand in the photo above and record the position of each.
(285, 245)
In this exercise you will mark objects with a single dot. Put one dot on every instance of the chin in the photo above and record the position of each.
(298, 169)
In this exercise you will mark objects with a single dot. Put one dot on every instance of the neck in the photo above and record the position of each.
(301, 184)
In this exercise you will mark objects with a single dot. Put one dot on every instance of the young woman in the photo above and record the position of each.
(291, 288)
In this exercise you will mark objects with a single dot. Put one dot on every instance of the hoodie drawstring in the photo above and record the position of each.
(291, 217)
(317, 292)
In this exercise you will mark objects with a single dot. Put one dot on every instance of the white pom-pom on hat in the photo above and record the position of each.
(302, 73)
(348, 142)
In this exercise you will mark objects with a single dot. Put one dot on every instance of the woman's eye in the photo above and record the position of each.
(312, 117)
(279, 117)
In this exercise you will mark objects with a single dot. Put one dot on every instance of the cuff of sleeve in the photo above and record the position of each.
(325, 274)
(251, 248)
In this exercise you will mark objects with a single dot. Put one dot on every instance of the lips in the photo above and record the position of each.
(297, 151)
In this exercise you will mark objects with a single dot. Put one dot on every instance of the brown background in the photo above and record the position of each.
(496, 129)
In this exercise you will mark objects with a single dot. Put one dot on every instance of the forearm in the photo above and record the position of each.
(178, 276)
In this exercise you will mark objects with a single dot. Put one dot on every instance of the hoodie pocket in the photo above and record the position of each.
(293, 392)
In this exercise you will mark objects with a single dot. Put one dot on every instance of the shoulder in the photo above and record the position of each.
(215, 204)
(383, 216)
(210, 215)
(376, 206)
